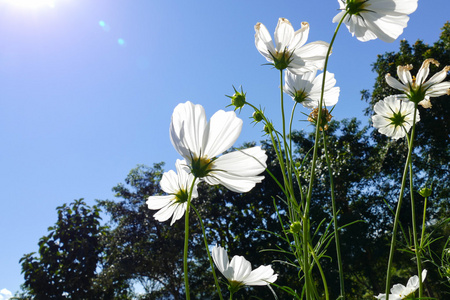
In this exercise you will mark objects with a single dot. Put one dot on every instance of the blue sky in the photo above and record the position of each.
(88, 89)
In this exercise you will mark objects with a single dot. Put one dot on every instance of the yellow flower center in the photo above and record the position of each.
(201, 166)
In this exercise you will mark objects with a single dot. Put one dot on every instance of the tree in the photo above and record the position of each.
(68, 256)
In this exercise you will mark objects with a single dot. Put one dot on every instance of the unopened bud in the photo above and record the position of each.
(268, 128)
(257, 116)
(238, 99)
(296, 227)
(425, 192)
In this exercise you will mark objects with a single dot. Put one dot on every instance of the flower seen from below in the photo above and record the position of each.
(306, 89)
(239, 272)
(416, 88)
(399, 291)
(290, 51)
(371, 19)
(177, 186)
(394, 117)
(201, 142)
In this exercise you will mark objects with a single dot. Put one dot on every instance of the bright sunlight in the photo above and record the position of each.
(30, 4)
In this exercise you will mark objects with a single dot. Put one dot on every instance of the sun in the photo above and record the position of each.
(31, 4)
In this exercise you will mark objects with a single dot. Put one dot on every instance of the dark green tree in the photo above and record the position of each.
(68, 257)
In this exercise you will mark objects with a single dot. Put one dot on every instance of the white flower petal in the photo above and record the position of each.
(220, 258)
(394, 83)
(284, 32)
(221, 132)
(263, 41)
(238, 170)
(309, 57)
(261, 276)
(241, 267)
(187, 127)
(158, 202)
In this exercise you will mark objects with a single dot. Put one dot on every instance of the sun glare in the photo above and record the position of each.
(31, 4)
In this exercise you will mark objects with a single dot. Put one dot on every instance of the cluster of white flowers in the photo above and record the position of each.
(202, 143)
(394, 115)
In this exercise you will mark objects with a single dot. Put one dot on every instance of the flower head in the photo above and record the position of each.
(290, 51)
(177, 186)
(371, 19)
(394, 117)
(201, 142)
(325, 118)
(399, 291)
(306, 89)
(416, 88)
(239, 272)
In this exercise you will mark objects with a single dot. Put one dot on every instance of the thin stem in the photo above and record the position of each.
(413, 217)
(288, 155)
(399, 204)
(216, 282)
(186, 241)
(336, 228)
(313, 163)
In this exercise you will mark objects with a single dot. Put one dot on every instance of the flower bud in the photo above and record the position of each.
(257, 116)
(296, 227)
(238, 99)
(268, 128)
(425, 192)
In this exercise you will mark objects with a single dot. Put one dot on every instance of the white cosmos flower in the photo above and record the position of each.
(416, 88)
(394, 117)
(371, 19)
(239, 271)
(177, 186)
(399, 291)
(306, 88)
(290, 50)
(201, 142)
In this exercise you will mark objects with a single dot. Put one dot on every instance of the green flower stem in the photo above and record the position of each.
(288, 154)
(397, 211)
(186, 241)
(422, 237)
(336, 228)
(297, 175)
(417, 248)
(313, 164)
(209, 254)
(322, 274)
(277, 148)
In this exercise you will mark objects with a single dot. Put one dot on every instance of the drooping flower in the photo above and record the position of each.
(394, 117)
(201, 142)
(306, 88)
(399, 291)
(416, 88)
(290, 51)
(239, 272)
(371, 19)
(177, 186)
